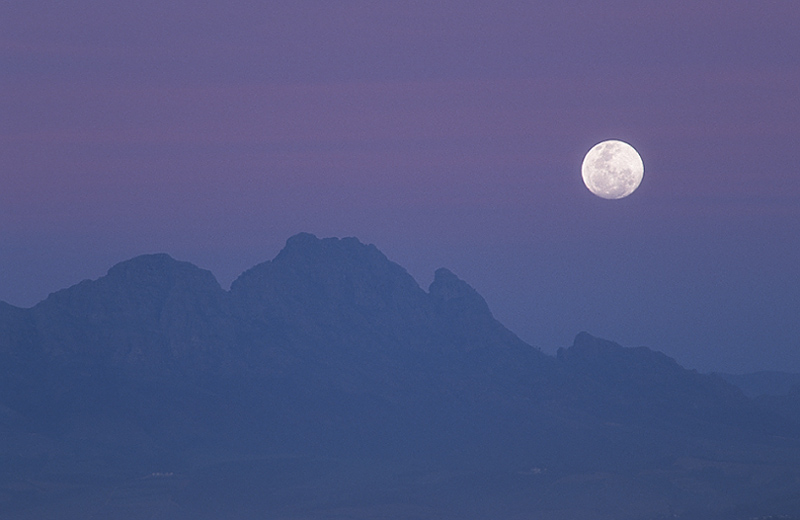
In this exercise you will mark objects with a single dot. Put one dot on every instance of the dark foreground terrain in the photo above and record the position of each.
(326, 384)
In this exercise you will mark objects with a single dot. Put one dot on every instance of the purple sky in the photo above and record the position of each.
(446, 133)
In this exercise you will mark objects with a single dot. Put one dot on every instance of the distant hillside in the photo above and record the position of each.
(764, 383)
(327, 384)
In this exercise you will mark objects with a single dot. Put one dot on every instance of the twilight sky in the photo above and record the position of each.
(446, 133)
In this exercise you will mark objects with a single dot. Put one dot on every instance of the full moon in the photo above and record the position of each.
(612, 169)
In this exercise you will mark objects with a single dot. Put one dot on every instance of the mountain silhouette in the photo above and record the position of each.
(272, 395)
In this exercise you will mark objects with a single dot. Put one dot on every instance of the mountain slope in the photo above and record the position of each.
(331, 352)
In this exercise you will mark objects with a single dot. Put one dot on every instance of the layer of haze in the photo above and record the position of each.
(446, 133)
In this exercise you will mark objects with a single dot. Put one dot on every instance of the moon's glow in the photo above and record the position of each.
(612, 169)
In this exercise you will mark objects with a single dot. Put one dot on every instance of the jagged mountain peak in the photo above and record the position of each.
(148, 311)
(449, 288)
(313, 273)
(145, 277)
(147, 262)
(587, 347)
(590, 350)
(159, 269)
(610, 360)
(307, 249)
